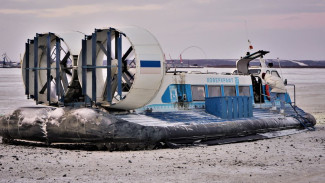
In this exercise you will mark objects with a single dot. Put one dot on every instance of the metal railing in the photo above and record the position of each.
(294, 94)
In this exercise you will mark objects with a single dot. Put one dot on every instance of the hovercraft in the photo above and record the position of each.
(113, 90)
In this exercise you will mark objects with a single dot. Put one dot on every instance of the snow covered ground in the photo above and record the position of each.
(293, 158)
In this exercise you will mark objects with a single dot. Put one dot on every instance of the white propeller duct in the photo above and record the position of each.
(119, 68)
(135, 59)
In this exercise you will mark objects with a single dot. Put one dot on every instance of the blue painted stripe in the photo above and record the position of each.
(237, 90)
(222, 91)
(150, 63)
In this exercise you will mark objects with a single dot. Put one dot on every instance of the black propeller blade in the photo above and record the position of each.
(67, 71)
(64, 64)
(45, 86)
(65, 59)
(129, 74)
(127, 53)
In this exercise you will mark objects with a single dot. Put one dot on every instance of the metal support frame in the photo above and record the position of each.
(119, 65)
(294, 93)
(48, 70)
(57, 70)
(39, 68)
(35, 66)
(108, 66)
(27, 68)
(84, 69)
(93, 61)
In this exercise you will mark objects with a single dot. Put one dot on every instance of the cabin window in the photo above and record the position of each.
(198, 93)
(244, 91)
(214, 91)
(254, 71)
(275, 73)
(230, 90)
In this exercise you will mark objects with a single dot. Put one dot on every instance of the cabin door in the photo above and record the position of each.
(257, 89)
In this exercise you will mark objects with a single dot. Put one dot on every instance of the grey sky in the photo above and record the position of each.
(290, 29)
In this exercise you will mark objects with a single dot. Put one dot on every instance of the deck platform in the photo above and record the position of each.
(199, 116)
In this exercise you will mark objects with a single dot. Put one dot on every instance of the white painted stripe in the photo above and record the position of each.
(150, 70)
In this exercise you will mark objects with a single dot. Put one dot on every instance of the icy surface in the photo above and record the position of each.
(293, 158)
(31, 116)
(84, 114)
(55, 115)
(12, 91)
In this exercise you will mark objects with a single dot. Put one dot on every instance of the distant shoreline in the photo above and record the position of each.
(224, 66)
(231, 63)
(292, 67)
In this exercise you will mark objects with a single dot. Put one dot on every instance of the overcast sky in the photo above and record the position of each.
(289, 29)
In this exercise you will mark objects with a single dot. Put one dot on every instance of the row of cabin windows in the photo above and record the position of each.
(198, 92)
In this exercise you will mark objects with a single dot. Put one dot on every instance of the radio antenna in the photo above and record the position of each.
(250, 46)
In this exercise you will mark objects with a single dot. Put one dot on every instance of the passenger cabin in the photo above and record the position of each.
(183, 90)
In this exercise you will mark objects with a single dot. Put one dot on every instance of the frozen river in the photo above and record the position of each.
(310, 89)
(294, 158)
(12, 91)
